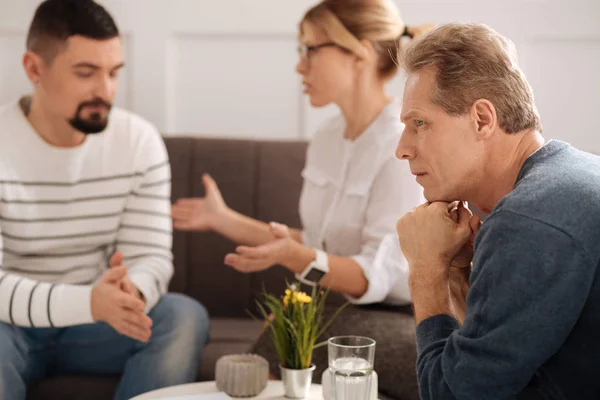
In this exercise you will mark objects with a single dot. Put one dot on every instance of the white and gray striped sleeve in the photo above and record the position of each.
(145, 234)
(29, 303)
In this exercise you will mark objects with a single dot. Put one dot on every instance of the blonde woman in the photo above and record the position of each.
(354, 188)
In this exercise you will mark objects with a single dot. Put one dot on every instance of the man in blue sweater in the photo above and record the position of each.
(526, 323)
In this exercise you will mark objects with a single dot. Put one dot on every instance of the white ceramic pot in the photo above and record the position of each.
(296, 382)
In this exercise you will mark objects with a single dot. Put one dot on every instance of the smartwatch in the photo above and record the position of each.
(318, 268)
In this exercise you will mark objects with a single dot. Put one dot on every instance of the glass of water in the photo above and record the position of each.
(351, 360)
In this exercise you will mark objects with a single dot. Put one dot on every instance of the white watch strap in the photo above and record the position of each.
(320, 263)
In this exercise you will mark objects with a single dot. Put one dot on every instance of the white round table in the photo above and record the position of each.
(274, 390)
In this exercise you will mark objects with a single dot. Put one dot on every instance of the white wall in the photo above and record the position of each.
(226, 68)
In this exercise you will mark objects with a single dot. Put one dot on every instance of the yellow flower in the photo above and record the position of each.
(301, 297)
(292, 296)
(286, 298)
(304, 298)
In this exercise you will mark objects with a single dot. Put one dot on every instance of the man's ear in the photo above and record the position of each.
(484, 118)
(34, 66)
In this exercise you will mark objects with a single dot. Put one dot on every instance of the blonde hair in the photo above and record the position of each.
(347, 22)
(472, 61)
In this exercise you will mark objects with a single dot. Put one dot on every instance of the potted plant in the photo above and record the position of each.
(296, 321)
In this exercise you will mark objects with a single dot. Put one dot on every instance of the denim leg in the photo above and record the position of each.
(92, 349)
(171, 357)
(23, 359)
(179, 334)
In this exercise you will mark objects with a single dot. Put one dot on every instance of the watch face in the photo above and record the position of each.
(314, 275)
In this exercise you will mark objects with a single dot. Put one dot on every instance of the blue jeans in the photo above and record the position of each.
(171, 357)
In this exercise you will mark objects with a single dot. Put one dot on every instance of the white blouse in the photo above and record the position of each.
(354, 192)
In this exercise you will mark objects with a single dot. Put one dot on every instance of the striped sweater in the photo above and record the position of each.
(64, 211)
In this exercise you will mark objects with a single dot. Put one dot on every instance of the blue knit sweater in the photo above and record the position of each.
(532, 329)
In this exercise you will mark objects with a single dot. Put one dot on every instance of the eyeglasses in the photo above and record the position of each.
(305, 51)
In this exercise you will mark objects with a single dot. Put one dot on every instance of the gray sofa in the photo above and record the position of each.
(260, 179)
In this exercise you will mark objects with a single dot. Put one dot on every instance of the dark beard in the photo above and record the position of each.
(95, 124)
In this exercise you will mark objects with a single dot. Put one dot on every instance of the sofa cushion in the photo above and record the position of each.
(279, 182)
(234, 330)
(232, 163)
(180, 156)
(75, 387)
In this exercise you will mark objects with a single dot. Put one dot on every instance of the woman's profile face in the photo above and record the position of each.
(327, 71)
